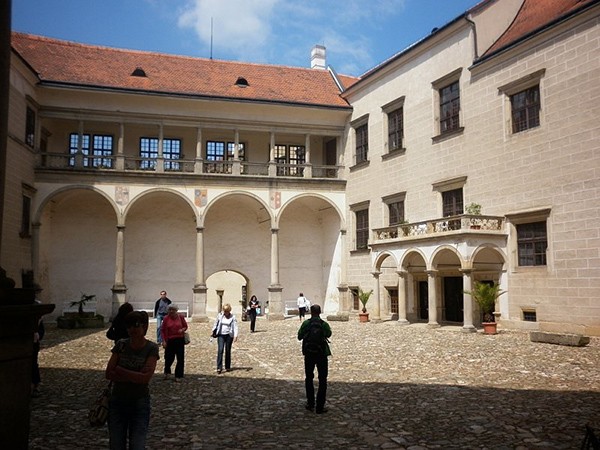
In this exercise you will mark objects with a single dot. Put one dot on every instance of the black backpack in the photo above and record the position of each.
(314, 341)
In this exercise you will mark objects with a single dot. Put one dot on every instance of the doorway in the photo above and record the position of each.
(423, 300)
(453, 299)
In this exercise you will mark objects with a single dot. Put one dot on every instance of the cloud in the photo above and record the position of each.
(284, 31)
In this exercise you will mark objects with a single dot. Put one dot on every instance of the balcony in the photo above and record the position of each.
(112, 163)
(461, 224)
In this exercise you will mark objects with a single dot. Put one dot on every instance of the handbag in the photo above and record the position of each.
(186, 335)
(99, 410)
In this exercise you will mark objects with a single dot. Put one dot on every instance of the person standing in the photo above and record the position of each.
(225, 330)
(314, 333)
(38, 335)
(130, 369)
(173, 328)
(303, 305)
(118, 327)
(161, 309)
(253, 311)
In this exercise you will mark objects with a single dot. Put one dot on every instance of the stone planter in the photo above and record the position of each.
(75, 320)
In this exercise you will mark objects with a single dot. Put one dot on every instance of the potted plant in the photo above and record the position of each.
(485, 295)
(80, 319)
(364, 298)
(474, 209)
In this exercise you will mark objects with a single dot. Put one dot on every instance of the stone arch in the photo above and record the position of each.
(234, 285)
(161, 190)
(215, 201)
(440, 253)
(311, 195)
(381, 257)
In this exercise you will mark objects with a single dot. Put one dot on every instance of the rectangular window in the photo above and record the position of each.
(231, 151)
(529, 315)
(30, 127)
(452, 202)
(290, 159)
(362, 229)
(395, 129)
(362, 143)
(525, 109)
(449, 108)
(102, 146)
(172, 153)
(355, 300)
(396, 212)
(532, 241)
(26, 217)
(148, 153)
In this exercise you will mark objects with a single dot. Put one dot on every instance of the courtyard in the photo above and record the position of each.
(390, 386)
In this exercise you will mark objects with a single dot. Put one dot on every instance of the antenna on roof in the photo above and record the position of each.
(211, 37)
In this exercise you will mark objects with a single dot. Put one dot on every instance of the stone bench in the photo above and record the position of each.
(573, 340)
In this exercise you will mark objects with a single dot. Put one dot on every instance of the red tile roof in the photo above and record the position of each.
(70, 63)
(534, 15)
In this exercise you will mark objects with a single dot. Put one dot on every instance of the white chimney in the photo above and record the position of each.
(317, 58)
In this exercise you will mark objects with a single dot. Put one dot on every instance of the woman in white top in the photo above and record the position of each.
(225, 330)
(303, 306)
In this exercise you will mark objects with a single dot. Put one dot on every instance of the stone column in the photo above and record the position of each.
(120, 160)
(79, 154)
(119, 289)
(375, 314)
(467, 301)
(308, 165)
(272, 163)
(199, 302)
(344, 306)
(198, 166)
(35, 252)
(432, 299)
(236, 168)
(276, 307)
(402, 297)
(160, 160)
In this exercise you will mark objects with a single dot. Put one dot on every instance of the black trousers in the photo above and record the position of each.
(175, 348)
(322, 369)
(252, 315)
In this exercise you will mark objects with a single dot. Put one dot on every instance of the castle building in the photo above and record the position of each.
(471, 156)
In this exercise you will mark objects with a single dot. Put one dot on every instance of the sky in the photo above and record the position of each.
(358, 34)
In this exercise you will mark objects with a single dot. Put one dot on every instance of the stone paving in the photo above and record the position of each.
(390, 386)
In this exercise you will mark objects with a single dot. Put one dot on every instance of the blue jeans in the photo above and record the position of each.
(225, 341)
(322, 368)
(128, 417)
(159, 319)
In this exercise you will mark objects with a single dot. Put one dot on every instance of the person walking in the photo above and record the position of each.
(173, 328)
(303, 305)
(314, 334)
(225, 329)
(130, 369)
(253, 311)
(161, 309)
(118, 327)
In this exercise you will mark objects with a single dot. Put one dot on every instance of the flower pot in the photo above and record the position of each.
(363, 317)
(489, 327)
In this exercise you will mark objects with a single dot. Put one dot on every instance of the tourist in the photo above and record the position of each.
(160, 311)
(225, 330)
(315, 347)
(118, 328)
(303, 305)
(130, 369)
(173, 329)
(253, 311)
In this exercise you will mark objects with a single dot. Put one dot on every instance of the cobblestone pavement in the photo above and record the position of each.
(390, 386)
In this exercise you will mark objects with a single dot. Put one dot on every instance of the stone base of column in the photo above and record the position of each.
(469, 329)
(199, 318)
(433, 325)
(375, 320)
(275, 317)
(403, 322)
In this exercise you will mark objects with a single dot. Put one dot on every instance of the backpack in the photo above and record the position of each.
(314, 340)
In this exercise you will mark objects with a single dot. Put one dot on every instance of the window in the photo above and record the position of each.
(355, 299)
(26, 217)
(149, 153)
(289, 159)
(362, 229)
(30, 127)
(449, 108)
(525, 109)
(532, 242)
(452, 202)
(394, 211)
(395, 129)
(529, 315)
(362, 143)
(102, 145)
(215, 151)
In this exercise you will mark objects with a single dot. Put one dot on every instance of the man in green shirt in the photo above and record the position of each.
(315, 347)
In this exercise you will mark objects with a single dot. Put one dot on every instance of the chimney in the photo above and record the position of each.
(317, 58)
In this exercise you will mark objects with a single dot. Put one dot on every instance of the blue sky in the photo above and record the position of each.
(358, 34)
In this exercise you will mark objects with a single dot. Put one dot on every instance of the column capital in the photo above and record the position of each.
(274, 230)
(402, 273)
(199, 229)
(467, 271)
(432, 273)
(376, 273)
(120, 227)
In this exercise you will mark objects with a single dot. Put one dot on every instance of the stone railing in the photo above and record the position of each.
(464, 223)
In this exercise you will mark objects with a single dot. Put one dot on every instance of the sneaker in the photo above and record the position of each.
(321, 411)
(219, 371)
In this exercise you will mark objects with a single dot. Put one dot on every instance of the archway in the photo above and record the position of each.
(226, 286)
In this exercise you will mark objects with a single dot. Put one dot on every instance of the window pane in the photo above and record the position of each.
(396, 211)
(452, 202)
(449, 107)
(395, 129)
(362, 143)
(362, 229)
(525, 109)
(532, 244)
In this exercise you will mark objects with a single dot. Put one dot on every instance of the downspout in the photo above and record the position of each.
(474, 28)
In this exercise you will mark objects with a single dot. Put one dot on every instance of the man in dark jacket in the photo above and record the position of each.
(161, 309)
(315, 347)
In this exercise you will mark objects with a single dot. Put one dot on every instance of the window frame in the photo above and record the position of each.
(441, 116)
(95, 149)
(394, 199)
(361, 140)
(361, 232)
(514, 220)
(290, 159)
(518, 86)
(531, 109)
(30, 120)
(390, 110)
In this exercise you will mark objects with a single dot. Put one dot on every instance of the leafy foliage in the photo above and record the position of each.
(485, 295)
(82, 301)
(364, 298)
